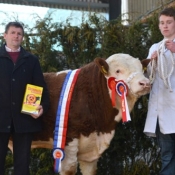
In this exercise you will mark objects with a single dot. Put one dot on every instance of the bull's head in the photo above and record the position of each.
(128, 69)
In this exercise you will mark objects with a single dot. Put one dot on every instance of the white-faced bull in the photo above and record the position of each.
(92, 117)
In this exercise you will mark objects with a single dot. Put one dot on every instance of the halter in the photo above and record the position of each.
(128, 82)
(163, 70)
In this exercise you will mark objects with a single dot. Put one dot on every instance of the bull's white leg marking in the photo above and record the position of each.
(90, 149)
(88, 168)
(69, 163)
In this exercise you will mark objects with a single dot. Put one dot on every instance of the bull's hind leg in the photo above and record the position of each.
(88, 168)
(69, 163)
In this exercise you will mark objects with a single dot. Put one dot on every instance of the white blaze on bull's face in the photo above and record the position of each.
(129, 69)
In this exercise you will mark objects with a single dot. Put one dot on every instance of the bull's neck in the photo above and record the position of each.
(131, 99)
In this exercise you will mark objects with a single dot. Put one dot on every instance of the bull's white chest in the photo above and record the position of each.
(91, 147)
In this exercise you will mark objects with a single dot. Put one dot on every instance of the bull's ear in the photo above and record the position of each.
(102, 64)
(145, 63)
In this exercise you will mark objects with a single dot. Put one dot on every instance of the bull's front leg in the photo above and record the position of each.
(69, 163)
(88, 168)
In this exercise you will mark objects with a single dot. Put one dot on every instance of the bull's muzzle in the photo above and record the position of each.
(145, 84)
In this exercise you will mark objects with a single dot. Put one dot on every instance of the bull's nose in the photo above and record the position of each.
(145, 83)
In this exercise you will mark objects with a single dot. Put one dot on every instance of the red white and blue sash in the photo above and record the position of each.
(62, 118)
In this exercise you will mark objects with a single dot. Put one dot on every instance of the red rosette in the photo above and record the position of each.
(111, 82)
(112, 86)
(121, 87)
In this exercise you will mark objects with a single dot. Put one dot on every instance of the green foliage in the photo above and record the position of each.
(9, 163)
(41, 162)
(154, 32)
(62, 46)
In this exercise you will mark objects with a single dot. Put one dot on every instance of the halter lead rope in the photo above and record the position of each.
(163, 70)
(153, 71)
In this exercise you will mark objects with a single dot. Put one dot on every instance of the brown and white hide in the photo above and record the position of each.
(92, 118)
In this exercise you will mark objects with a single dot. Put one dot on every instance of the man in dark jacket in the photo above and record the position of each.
(17, 69)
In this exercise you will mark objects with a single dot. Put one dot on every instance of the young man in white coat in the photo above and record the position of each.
(160, 121)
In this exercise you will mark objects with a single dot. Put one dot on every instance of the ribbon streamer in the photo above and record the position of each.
(121, 89)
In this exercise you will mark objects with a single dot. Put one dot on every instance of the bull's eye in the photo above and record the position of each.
(118, 71)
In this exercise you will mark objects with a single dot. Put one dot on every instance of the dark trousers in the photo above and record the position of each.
(167, 145)
(21, 152)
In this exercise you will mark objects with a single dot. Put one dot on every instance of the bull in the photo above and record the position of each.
(92, 117)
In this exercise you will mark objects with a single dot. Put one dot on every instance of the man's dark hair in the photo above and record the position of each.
(14, 24)
(170, 11)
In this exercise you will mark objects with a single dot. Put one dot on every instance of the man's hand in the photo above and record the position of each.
(40, 112)
(170, 45)
(154, 55)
